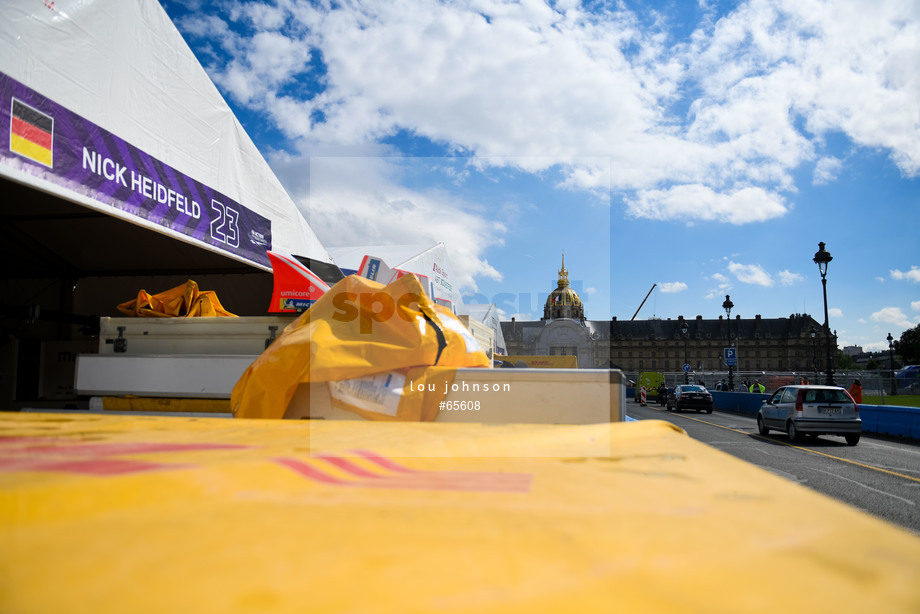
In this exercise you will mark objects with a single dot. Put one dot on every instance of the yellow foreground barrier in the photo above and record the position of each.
(161, 404)
(172, 514)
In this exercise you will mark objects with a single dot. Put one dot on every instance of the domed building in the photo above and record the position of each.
(563, 330)
(563, 302)
(762, 344)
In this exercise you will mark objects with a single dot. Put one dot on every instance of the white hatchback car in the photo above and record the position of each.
(813, 410)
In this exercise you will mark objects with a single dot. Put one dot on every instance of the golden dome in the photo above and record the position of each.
(563, 302)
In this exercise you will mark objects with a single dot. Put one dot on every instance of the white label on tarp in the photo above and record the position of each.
(377, 393)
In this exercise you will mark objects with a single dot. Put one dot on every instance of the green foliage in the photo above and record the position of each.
(908, 346)
(900, 400)
(844, 361)
(872, 365)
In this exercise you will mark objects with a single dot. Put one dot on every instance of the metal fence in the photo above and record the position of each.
(874, 383)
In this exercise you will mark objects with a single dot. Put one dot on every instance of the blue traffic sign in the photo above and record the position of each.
(686, 368)
(731, 357)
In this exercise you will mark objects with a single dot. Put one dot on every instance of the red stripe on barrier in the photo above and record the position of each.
(350, 467)
(405, 478)
(384, 462)
(66, 455)
(94, 466)
(310, 472)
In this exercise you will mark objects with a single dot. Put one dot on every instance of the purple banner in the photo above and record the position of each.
(49, 141)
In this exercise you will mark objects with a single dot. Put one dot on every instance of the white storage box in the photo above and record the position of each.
(162, 336)
(180, 375)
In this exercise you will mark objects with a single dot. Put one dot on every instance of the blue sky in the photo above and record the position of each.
(704, 147)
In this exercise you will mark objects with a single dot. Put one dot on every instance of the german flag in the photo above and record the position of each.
(31, 133)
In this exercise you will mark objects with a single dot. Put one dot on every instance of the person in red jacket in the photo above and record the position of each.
(856, 391)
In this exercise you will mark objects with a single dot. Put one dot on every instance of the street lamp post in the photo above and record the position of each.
(727, 306)
(822, 259)
(683, 330)
(894, 382)
(814, 352)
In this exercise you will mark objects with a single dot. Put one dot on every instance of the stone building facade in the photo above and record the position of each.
(762, 344)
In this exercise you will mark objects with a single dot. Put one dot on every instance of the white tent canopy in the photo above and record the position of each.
(122, 169)
(106, 107)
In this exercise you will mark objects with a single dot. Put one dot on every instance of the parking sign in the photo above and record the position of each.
(731, 357)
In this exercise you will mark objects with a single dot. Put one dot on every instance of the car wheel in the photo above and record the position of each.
(709, 411)
(794, 433)
(852, 439)
(761, 426)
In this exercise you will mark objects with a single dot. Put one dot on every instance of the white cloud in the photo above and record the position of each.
(892, 315)
(714, 129)
(880, 346)
(556, 83)
(915, 305)
(262, 15)
(672, 286)
(835, 312)
(724, 285)
(688, 202)
(913, 275)
(355, 201)
(750, 274)
(260, 66)
(787, 278)
(853, 70)
(826, 170)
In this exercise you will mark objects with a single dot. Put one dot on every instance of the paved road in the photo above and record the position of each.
(879, 476)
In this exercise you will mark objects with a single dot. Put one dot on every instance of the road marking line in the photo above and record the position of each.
(881, 492)
(845, 460)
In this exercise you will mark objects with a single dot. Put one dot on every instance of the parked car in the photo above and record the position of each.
(690, 396)
(811, 410)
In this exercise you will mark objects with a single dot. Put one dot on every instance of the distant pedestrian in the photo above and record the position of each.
(757, 387)
(718, 385)
(856, 391)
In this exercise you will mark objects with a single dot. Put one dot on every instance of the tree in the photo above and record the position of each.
(844, 361)
(908, 347)
(872, 365)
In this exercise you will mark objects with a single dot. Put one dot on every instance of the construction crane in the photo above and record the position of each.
(643, 302)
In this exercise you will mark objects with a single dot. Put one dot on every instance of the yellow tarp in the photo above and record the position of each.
(185, 301)
(357, 330)
(167, 514)
(161, 404)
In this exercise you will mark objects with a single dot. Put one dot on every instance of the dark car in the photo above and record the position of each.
(690, 396)
(811, 410)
